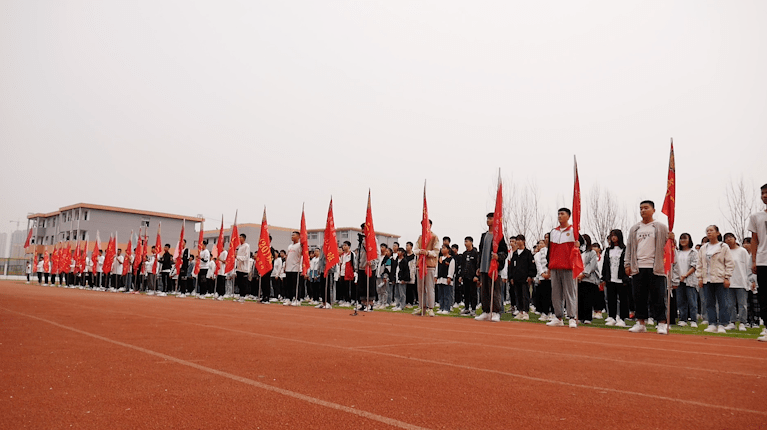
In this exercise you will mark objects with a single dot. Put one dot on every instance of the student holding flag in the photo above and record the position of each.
(489, 279)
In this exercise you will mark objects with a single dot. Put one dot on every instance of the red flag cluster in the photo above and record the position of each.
(264, 252)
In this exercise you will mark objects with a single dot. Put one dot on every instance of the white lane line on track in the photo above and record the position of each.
(481, 345)
(422, 360)
(369, 415)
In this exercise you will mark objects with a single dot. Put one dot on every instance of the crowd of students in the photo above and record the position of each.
(714, 282)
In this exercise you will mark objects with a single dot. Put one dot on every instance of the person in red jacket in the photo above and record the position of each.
(561, 244)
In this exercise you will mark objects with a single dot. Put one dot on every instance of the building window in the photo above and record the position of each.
(83, 235)
(54, 222)
(86, 216)
(313, 236)
(344, 235)
(144, 222)
(226, 239)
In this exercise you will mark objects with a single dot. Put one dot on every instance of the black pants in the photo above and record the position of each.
(586, 299)
(458, 290)
(617, 292)
(544, 297)
(470, 293)
(277, 287)
(290, 284)
(165, 281)
(342, 290)
(202, 281)
(522, 294)
(365, 286)
(221, 285)
(39, 277)
(116, 281)
(410, 294)
(487, 285)
(242, 284)
(649, 295)
(761, 279)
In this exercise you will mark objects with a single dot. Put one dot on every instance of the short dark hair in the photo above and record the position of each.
(346, 242)
(385, 246)
(567, 211)
(649, 202)
(167, 245)
(746, 240)
(521, 237)
(409, 243)
(454, 246)
(184, 240)
(764, 187)
(726, 235)
(119, 249)
(243, 235)
(491, 215)
(395, 243)
(469, 238)
(446, 238)
(689, 241)
(204, 242)
(402, 250)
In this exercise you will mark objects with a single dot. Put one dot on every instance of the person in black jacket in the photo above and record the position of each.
(167, 262)
(468, 276)
(616, 281)
(458, 287)
(522, 272)
(491, 311)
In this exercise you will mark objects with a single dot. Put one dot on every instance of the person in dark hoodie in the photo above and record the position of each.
(491, 311)
(522, 272)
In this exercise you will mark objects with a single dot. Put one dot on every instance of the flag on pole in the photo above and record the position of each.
(29, 238)
(304, 244)
(575, 254)
(34, 268)
(234, 243)
(178, 254)
(157, 248)
(497, 227)
(330, 243)
(220, 244)
(145, 251)
(669, 208)
(425, 235)
(83, 252)
(264, 252)
(78, 269)
(126, 262)
(199, 248)
(54, 260)
(371, 247)
(95, 253)
(137, 255)
(109, 255)
(46, 262)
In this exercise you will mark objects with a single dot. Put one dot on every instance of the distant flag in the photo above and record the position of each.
(234, 243)
(78, 269)
(46, 262)
(304, 244)
(497, 227)
(34, 268)
(83, 253)
(67, 260)
(425, 235)
(220, 244)
(145, 251)
(54, 260)
(137, 254)
(126, 262)
(109, 255)
(157, 248)
(199, 248)
(95, 253)
(669, 208)
(264, 252)
(330, 243)
(29, 239)
(371, 247)
(575, 253)
(179, 252)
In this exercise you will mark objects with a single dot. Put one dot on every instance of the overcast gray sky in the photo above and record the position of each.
(207, 107)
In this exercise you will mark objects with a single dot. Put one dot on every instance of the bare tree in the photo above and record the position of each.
(604, 213)
(741, 200)
(523, 212)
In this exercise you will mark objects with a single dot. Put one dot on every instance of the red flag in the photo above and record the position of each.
(76, 259)
(95, 253)
(220, 244)
(669, 208)
(46, 262)
(157, 249)
(234, 243)
(199, 249)
(145, 251)
(67, 260)
(109, 255)
(264, 252)
(54, 258)
(497, 227)
(330, 243)
(425, 235)
(126, 261)
(83, 253)
(371, 247)
(137, 255)
(179, 252)
(304, 244)
(575, 255)
(34, 268)
(29, 238)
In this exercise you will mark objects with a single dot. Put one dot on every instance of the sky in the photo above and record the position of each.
(198, 107)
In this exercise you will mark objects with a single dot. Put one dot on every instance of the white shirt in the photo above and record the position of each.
(205, 262)
(100, 266)
(615, 261)
(293, 260)
(742, 269)
(757, 223)
(243, 258)
(222, 265)
(117, 266)
(276, 267)
(645, 237)
(541, 265)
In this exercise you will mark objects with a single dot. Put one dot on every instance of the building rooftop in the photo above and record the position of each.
(115, 209)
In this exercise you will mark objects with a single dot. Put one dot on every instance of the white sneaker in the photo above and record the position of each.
(742, 327)
(496, 317)
(662, 328)
(396, 309)
(573, 323)
(483, 317)
(295, 303)
(650, 321)
(638, 328)
(610, 321)
(431, 312)
(693, 324)
(181, 296)
(555, 322)
(762, 338)
(525, 316)
(721, 329)
(704, 322)
(710, 329)
(543, 317)
(730, 326)
(682, 324)
(598, 315)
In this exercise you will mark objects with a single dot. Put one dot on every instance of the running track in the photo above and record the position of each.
(95, 360)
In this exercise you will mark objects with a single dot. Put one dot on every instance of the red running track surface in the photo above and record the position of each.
(95, 360)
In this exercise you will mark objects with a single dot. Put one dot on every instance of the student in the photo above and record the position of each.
(39, 270)
(645, 264)
(457, 287)
(544, 280)
(563, 292)
(445, 276)
(490, 311)
(314, 277)
(401, 278)
(166, 261)
(469, 277)
(753, 299)
(345, 274)
(151, 276)
(588, 281)
(221, 276)
(714, 271)
(292, 268)
(117, 271)
(757, 225)
(29, 270)
(430, 253)
(522, 271)
(100, 281)
(383, 272)
(685, 263)
(202, 275)
(410, 285)
(738, 291)
(242, 267)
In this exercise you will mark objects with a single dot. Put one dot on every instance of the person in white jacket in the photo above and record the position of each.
(242, 267)
(714, 271)
(739, 284)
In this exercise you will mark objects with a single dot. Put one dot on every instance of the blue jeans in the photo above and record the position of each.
(447, 297)
(738, 307)
(716, 294)
(687, 299)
